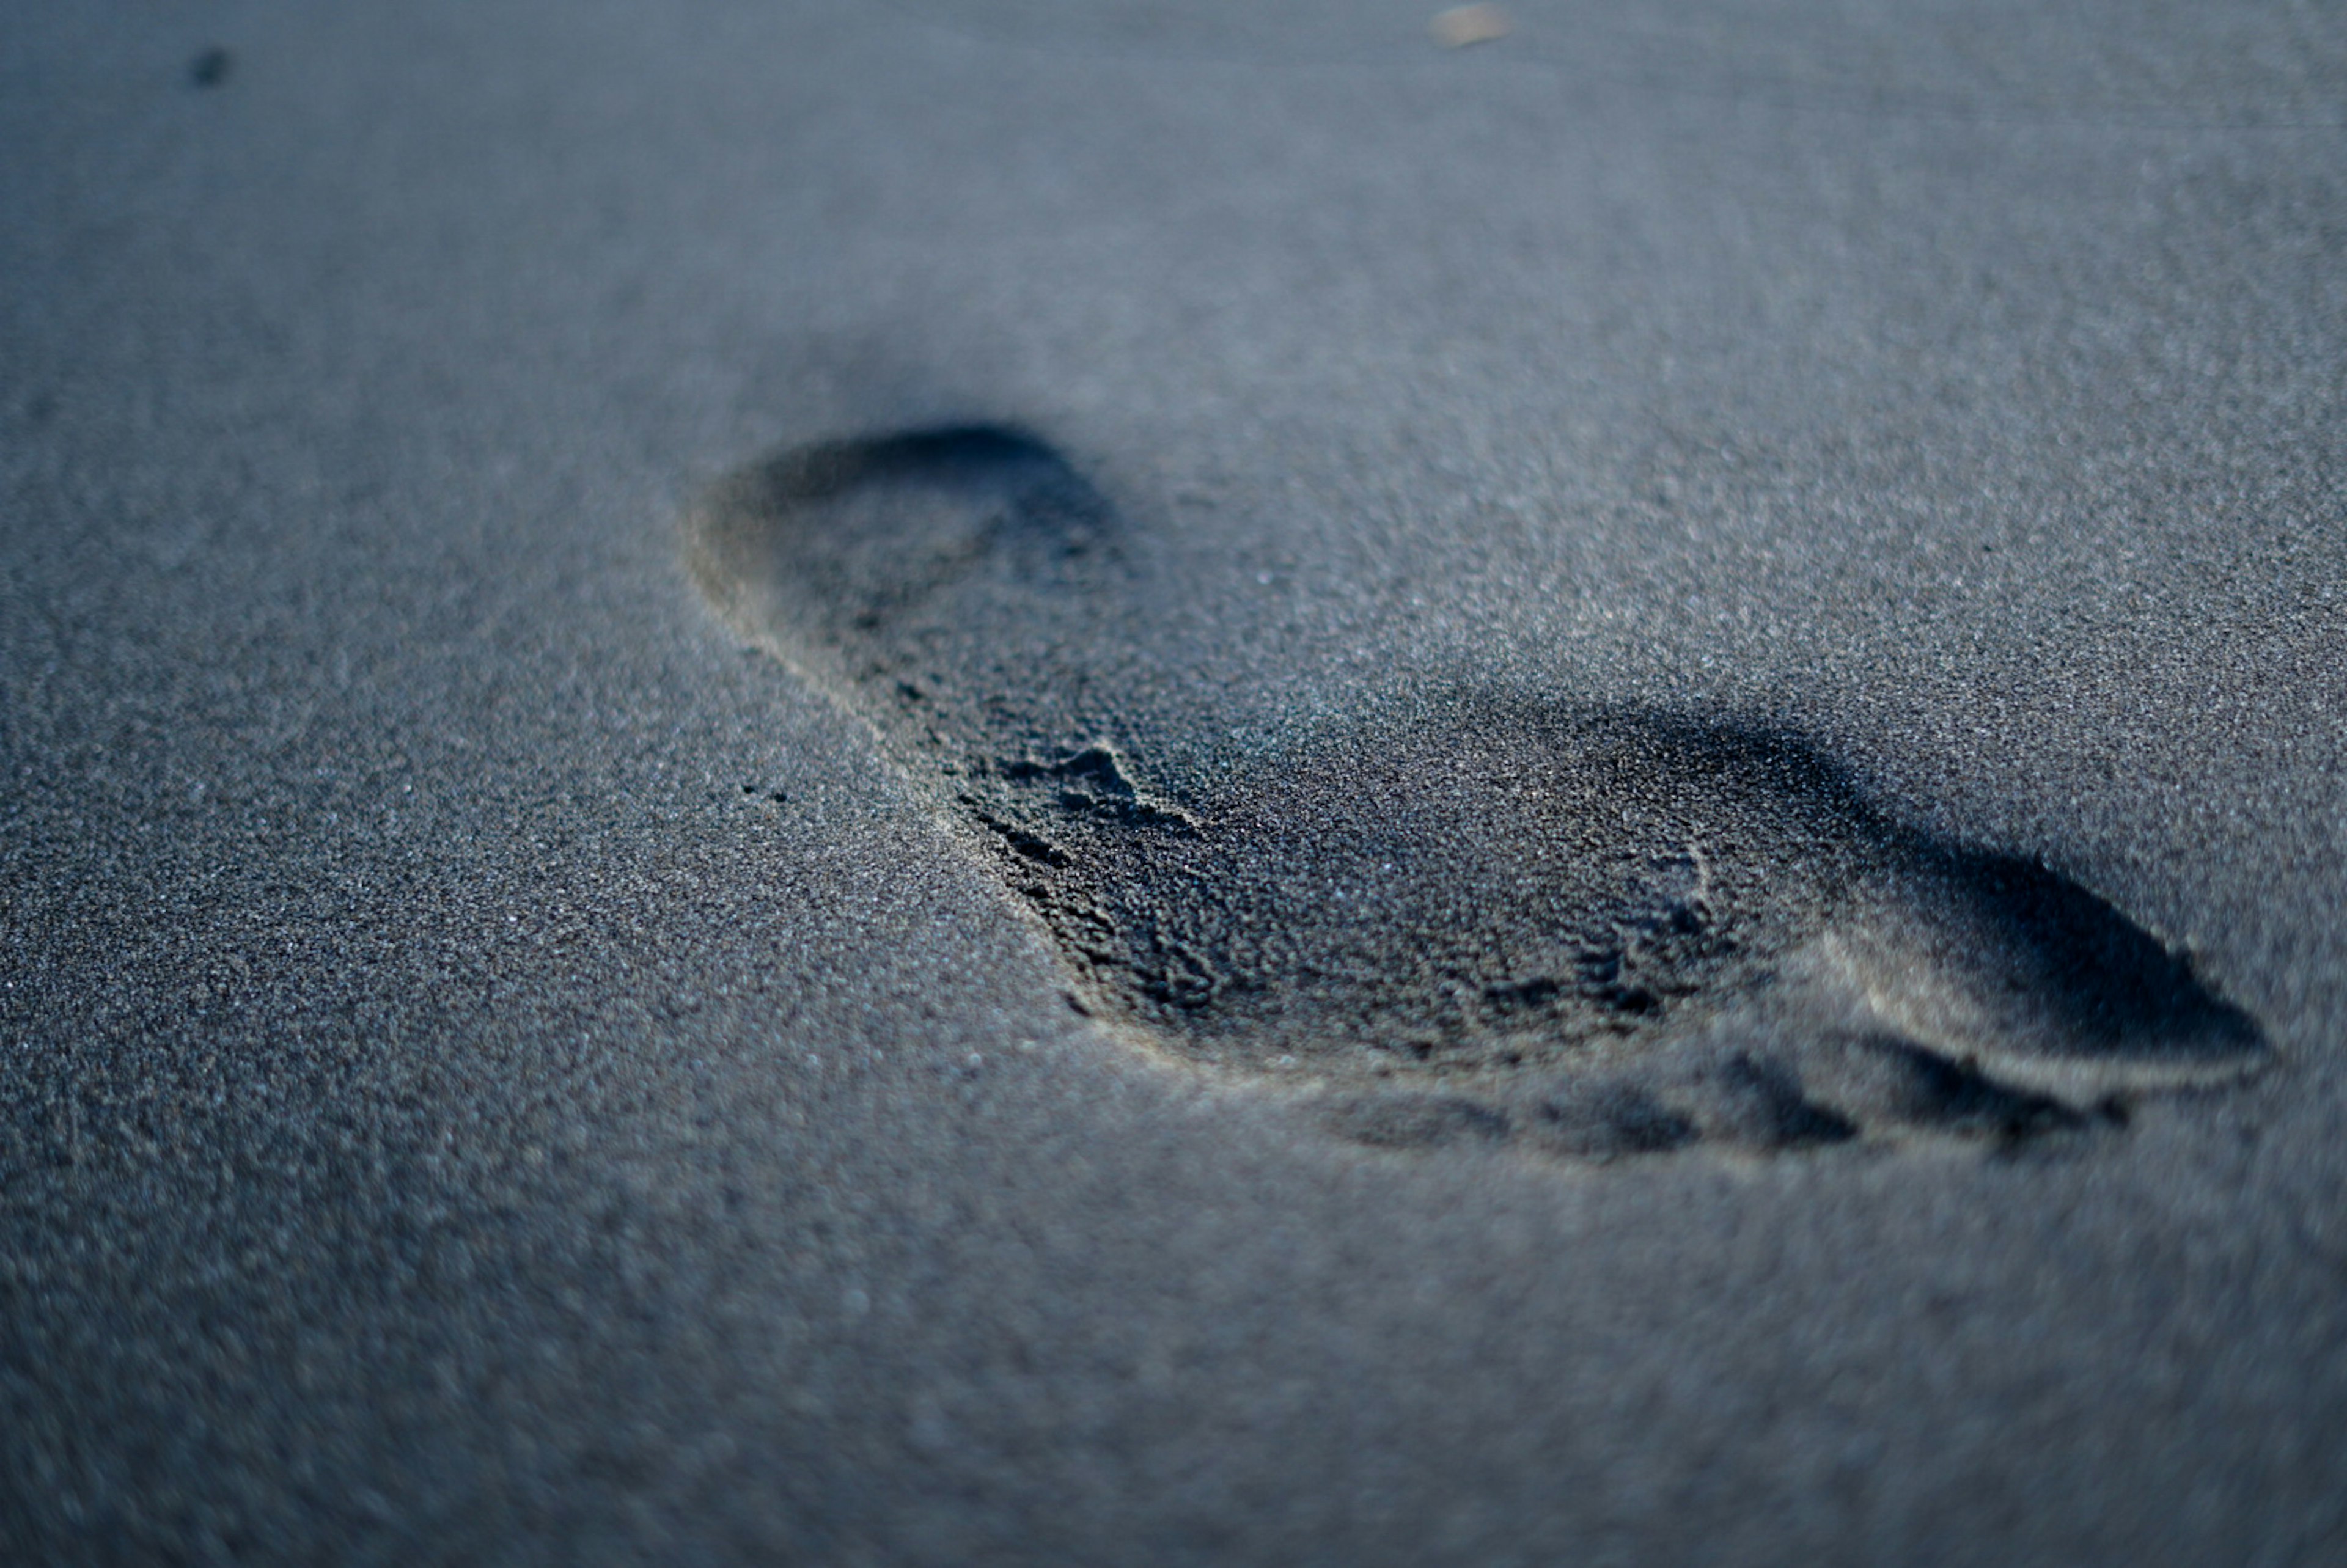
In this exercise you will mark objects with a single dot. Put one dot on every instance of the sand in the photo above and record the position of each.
(522, 1042)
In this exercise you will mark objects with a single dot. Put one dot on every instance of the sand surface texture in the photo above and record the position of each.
(966, 781)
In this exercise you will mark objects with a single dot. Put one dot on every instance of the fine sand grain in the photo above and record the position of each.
(970, 781)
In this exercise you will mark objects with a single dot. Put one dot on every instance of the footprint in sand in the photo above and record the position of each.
(1591, 931)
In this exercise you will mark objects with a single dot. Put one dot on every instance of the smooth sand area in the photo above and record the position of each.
(966, 781)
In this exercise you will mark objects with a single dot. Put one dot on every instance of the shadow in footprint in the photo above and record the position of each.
(1593, 931)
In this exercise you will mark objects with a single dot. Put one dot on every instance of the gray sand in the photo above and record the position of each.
(501, 1066)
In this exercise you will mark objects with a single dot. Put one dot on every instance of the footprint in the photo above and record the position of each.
(1592, 932)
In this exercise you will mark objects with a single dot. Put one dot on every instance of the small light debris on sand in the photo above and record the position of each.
(1464, 25)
